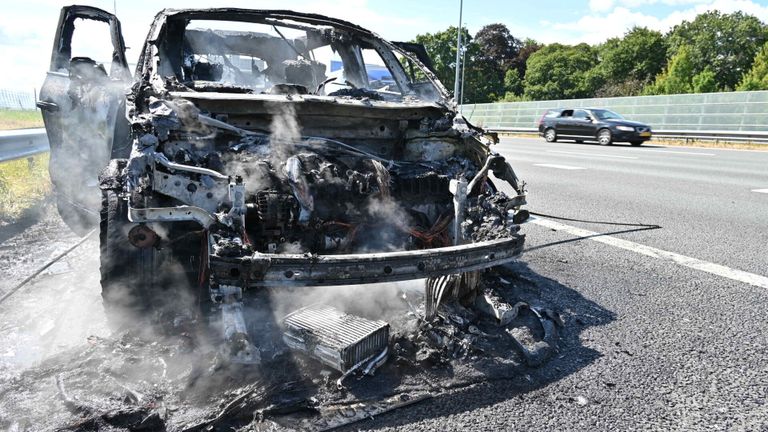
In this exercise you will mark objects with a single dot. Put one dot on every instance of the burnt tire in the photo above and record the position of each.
(150, 285)
(127, 272)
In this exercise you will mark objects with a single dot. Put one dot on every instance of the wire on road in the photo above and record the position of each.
(42, 269)
(596, 222)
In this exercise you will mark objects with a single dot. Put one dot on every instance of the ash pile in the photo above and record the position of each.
(322, 364)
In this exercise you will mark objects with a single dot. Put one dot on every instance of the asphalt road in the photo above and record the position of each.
(702, 198)
(649, 344)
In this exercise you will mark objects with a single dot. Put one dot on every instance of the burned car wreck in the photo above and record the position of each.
(261, 149)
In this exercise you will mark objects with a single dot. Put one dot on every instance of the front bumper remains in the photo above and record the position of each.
(280, 270)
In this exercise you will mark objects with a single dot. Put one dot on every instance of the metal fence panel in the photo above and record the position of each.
(18, 100)
(731, 111)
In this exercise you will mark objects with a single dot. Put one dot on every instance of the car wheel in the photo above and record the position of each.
(127, 272)
(604, 137)
(636, 143)
(139, 282)
(550, 135)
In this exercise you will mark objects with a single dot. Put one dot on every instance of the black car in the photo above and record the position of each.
(586, 124)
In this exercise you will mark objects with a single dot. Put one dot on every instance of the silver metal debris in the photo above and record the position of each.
(341, 341)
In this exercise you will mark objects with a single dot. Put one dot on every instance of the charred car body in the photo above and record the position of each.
(265, 149)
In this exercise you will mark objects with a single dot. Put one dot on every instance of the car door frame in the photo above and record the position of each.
(58, 110)
(564, 125)
(583, 126)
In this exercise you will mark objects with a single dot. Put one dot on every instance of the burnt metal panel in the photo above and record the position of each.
(281, 270)
(336, 339)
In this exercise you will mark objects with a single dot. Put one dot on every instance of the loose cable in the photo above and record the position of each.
(42, 269)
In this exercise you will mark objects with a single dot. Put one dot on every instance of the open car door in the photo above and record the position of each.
(83, 106)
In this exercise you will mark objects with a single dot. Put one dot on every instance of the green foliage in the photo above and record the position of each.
(483, 82)
(634, 59)
(757, 77)
(628, 87)
(16, 119)
(511, 97)
(441, 47)
(512, 82)
(24, 183)
(484, 78)
(678, 77)
(705, 82)
(561, 72)
(726, 43)
(529, 47)
(713, 52)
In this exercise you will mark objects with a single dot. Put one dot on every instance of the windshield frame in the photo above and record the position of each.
(169, 26)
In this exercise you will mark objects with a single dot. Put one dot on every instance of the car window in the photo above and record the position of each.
(88, 44)
(580, 114)
(258, 56)
(567, 113)
(606, 115)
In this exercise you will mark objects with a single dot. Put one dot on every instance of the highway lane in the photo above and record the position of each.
(707, 201)
(649, 343)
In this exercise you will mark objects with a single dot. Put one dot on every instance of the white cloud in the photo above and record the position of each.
(27, 30)
(600, 5)
(596, 28)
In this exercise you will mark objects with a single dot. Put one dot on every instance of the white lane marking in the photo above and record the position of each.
(686, 261)
(565, 167)
(676, 152)
(591, 154)
(760, 190)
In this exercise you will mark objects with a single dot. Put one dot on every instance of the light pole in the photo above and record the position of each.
(463, 72)
(458, 55)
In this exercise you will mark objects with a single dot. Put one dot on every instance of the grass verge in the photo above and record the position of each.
(24, 183)
(16, 119)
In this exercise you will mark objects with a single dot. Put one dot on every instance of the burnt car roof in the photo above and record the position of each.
(239, 14)
(279, 16)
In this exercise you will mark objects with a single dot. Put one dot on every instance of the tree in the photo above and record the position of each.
(726, 43)
(561, 72)
(628, 87)
(496, 44)
(678, 77)
(483, 81)
(757, 77)
(497, 50)
(529, 47)
(635, 58)
(512, 82)
(441, 47)
(704, 81)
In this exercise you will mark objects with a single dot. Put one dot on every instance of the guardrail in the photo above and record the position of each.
(21, 143)
(17, 144)
(694, 135)
(725, 111)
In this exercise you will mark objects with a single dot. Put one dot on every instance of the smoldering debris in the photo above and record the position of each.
(342, 341)
(180, 381)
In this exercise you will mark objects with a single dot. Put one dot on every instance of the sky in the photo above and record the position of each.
(27, 28)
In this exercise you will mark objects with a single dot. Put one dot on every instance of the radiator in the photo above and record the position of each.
(336, 339)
